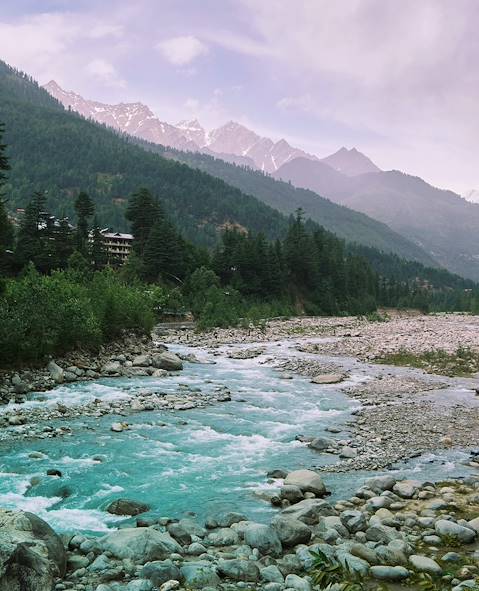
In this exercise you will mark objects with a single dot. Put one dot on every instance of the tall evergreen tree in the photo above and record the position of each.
(30, 243)
(98, 250)
(84, 208)
(143, 212)
(6, 227)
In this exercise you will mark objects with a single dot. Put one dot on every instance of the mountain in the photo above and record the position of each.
(472, 196)
(438, 221)
(59, 152)
(350, 162)
(344, 222)
(232, 142)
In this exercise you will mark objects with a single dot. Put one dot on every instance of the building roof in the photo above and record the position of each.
(119, 235)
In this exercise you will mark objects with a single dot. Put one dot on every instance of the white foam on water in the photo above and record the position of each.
(80, 519)
(36, 505)
(108, 489)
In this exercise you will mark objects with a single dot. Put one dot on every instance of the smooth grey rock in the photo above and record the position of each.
(271, 574)
(381, 533)
(264, 538)
(192, 527)
(127, 507)
(463, 534)
(239, 570)
(327, 378)
(160, 571)
(140, 545)
(166, 360)
(352, 563)
(354, 520)
(381, 483)
(56, 372)
(309, 511)
(291, 531)
(322, 443)
(32, 555)
(139, 585)
(223, 537)
(307, 480)
(179, 533)
(227, 519)
(424, 564)
(199, 575)
(141, 361)
(297, 583)
(406, 489)
(389, 573)
(111, 367)
(291, 493)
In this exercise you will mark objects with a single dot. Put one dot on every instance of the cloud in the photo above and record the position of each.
(303, 103)
(181, 51)
(105, 72)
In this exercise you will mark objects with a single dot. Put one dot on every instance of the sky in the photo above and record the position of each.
(397, 79)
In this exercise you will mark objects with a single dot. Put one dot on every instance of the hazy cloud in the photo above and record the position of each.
(181, 51)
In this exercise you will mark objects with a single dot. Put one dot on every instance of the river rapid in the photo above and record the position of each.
(202, 460)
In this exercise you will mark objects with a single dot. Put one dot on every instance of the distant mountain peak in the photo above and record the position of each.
(350, 162)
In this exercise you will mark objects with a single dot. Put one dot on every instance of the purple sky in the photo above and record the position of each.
(397, 79)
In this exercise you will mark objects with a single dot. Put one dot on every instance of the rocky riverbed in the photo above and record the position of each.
(397, 534)
(401, 534)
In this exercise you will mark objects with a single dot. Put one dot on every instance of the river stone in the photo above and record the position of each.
(166, 360)
(321, 443)
(264, 538)
(354, 520)
(291, 531)
(192, 527)
(381, 533)
(56, 372)
(141, 361)
(32, 555)
(381, 483)
(364, 552)
(327, 378)
(271, 574)
(348, 452)
(140, 545)
(297, 583)
(474, 524)
(223, 537)
(307, 481)
(278, 473)
(170, 585)
(239, 570)
(351, 563)
(195, 549)
(227, 519)
(389, 573)
(424, 564)
(159, 572)
(291, 493)
(111, 367)
(454, 530)
(198, 575)
(406, 488)
(179, 533)
(309, 511)
(127, 507)
(139, 585)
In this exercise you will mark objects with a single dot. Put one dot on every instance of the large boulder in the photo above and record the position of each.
(309, 511)
(307, 481)
(166, 360)
(127, 507)
(198, 575)
(407, 488)
(56, 372)
(224, 536)
(264, 538)
(291, 531)
(239, 570)
(160, 571)
(452, 530)
(140, 545)
(381, 483)
(31, 553)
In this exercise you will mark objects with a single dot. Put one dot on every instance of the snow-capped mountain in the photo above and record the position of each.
(232, 142)
(472, 196)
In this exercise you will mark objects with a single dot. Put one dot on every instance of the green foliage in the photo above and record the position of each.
(328, 572)
(463, 362)
(50, 314)
(84, 208)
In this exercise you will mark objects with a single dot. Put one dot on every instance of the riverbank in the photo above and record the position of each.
(390, 535)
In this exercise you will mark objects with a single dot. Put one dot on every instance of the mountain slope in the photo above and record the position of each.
(59, 152)
(440, 222)
(346, 223)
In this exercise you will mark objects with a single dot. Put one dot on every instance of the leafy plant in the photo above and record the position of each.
(328, 573)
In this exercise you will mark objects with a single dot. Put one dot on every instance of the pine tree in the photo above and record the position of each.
(98, 250)
(143, 212)
(63, 243)
(84, 208)
(30, 246)
(4, 164)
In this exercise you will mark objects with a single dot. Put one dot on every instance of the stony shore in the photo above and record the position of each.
(389, 535)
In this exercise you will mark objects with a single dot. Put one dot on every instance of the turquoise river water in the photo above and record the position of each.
(201, 460)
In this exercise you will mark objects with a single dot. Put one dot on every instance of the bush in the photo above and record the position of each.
(43, 315)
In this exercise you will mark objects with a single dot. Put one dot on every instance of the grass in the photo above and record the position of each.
(464, 362)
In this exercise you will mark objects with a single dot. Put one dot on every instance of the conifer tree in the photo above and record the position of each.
(84, 208)
(143, 212)
(98, 250)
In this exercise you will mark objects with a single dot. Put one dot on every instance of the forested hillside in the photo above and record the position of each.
(57, 152)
